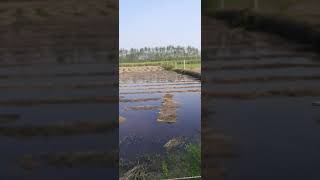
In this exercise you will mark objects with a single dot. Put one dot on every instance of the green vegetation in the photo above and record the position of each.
(169, 53)
(184, 163)
(179, 64)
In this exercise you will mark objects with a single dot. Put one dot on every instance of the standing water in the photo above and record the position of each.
(159, 114)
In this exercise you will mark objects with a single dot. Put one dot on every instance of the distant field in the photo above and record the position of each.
(174, 64)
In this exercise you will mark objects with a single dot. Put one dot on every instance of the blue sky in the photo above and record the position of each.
(160, 23)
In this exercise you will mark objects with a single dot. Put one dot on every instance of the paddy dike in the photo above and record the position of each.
(157, 106)
(258, 90)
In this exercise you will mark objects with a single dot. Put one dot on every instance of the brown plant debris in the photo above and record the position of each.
(168, 110)
(137, 172)
(174, 143)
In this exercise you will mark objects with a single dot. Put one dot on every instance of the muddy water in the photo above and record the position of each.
(142, 133)
(273, 137)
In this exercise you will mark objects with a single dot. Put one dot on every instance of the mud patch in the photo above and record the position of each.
(121, 119)
(141, 108)
(139, 100)
(168, 110)
(140, 69)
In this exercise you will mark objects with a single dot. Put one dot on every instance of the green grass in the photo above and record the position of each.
(185, 163)
(176, 64)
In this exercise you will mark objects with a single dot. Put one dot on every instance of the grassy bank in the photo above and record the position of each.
(193, 70)
(177, 163)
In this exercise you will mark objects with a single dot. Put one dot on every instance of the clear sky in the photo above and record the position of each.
(160, 23)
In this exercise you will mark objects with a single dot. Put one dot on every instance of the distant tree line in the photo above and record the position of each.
(159, 54)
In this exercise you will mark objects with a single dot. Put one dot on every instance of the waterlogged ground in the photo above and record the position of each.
(156, 106)
(258, 92)
(55, 126)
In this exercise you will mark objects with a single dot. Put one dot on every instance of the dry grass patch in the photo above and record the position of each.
(168, 110)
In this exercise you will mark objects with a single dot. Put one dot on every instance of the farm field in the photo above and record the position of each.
(258, 91)
(160, 123)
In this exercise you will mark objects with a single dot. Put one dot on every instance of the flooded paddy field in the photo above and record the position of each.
(159, 115)
(258, 92)
(62, 125)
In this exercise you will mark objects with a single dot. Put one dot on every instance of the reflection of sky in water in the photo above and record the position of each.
(141, 133)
